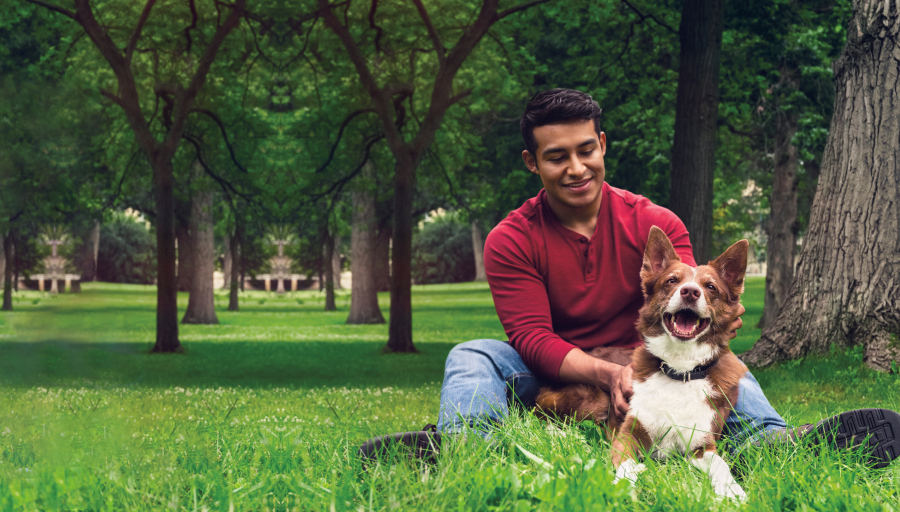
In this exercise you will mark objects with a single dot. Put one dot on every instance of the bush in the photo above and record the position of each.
(442, 253)
(127, 253)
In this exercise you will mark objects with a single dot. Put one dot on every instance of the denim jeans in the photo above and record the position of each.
(483, 377)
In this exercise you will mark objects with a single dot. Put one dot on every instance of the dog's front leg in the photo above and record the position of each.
(719, 473)
(625, 449)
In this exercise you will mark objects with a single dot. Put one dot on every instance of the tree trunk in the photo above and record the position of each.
(226, 264)
(202, 301)
(400, 327)
(363, 295)
(87, 257)
(336, 262)
(478, 249)
(235, 253)
(696, 116)
(166, 290)
(782, 226)
(846, 290)
(382, 257)
(328, 250)
(185, 256)
(2, 264)
(8, 280)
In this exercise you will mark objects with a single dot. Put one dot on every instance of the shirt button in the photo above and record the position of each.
(585, 253)
(590, 269)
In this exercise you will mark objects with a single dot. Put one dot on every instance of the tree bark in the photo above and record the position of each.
(400, 327)
(226, 264)
(8, 280)
(478, 249)
(696, 116)
(185, 255)
(2, 264)
(235, 247)
(166, 286)
(201, 307)
(328, 250)
(782, 226)
(382, 257)
(846, 290)
(88, 253)
(336, 262)
(364, 294)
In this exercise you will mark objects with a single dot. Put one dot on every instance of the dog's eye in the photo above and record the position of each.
(671, 280)
(711, 287)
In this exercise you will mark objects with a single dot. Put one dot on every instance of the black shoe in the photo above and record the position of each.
(878, 428)
(424, 445)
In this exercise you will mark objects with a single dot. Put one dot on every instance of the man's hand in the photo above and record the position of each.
(620, 390)
(737, 323)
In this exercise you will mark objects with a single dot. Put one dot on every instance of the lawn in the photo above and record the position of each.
(266, 410)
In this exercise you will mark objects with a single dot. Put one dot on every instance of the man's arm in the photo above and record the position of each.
(581, 368)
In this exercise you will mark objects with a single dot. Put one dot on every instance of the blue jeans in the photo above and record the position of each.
(482, 378)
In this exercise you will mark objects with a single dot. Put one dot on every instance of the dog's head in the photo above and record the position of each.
(687, 310)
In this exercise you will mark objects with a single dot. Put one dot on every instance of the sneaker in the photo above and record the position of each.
(424, 445)
(879, 429)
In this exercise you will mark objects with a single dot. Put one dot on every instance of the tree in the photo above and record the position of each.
(201, 307)
(847, 287)
(363, 292)
(387, 101)
(179, 99)
(696, 121)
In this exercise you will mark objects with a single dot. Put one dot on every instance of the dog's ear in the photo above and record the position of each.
(732, 265)
(658, 254)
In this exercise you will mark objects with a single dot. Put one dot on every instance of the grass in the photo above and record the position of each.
(266, 410)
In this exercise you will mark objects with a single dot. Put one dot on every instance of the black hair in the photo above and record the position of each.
(557, 106)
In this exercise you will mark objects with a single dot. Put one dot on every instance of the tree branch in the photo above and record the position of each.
(652, 17)
(53, 7)
(520, 7)
(136, 33)
(193, 25)
(372, 24)
(432, 33)
(221, 125)
(340, 134)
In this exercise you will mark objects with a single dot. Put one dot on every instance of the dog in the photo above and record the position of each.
(685, 375)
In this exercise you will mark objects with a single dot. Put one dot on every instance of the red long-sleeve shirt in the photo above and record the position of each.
(555, 290)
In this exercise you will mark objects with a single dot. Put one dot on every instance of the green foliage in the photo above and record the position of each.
(127, 252)
(442, 252)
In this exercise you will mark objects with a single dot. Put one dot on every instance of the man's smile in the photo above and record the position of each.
(579, 186)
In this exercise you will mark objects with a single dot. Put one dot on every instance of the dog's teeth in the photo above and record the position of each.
(697, 322)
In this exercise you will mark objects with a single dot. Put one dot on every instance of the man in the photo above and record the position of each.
(564, 273)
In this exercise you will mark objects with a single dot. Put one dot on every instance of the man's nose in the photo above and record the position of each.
(690, 293)
(576, 167)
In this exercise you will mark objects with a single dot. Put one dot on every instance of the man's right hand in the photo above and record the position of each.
(578, 367)
(620, 389)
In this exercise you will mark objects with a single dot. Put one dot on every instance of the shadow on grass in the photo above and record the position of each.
(213, 364)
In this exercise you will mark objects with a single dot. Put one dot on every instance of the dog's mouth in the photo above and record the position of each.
(685, 324)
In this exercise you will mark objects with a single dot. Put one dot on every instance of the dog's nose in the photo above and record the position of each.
(690, 293)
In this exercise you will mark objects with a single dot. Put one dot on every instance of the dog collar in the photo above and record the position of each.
(698, 372)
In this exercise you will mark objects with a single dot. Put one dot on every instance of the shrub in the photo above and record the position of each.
(442, 252)
(127, 253)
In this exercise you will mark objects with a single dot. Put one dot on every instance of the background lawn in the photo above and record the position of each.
(266, 410)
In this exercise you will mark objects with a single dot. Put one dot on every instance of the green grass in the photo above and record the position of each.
(266, 410)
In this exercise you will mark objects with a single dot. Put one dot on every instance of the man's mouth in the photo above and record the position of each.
(578, 186)
(685, 324)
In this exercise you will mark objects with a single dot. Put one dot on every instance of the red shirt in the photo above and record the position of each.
(555, 290)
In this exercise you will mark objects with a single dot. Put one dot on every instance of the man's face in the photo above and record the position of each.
(569, 160)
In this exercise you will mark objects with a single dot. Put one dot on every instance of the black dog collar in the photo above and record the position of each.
(698, 372)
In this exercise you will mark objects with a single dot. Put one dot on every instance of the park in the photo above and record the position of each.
(239, 239)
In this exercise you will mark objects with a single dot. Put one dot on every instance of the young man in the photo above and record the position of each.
(564, 273)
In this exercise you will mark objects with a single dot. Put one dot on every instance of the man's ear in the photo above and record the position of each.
(530, 162)
(732, 265)
(658, 254)
(603, 143)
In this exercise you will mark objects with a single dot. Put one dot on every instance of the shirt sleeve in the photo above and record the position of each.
(520, 298)
(664, 219)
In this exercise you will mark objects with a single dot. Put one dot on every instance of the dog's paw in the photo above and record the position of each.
(629, 470)
(731, 490)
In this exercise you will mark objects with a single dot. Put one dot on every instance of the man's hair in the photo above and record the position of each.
(557, 106)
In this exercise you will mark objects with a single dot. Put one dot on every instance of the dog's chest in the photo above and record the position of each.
(678, 416)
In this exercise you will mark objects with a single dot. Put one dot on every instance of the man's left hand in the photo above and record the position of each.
(737, 323)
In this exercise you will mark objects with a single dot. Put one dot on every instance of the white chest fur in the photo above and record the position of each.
(678, 415)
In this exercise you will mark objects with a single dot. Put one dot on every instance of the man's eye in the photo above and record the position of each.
(587, 153)
(557, 159)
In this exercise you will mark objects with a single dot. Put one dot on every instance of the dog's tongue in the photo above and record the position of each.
(686, 320)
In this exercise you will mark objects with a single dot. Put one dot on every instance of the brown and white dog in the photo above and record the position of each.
(685, 375)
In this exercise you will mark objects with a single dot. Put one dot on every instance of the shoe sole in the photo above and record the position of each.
(424, 445)
(879, 428)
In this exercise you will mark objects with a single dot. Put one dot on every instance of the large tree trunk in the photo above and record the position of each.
(382, 258)
(696, 116)
(202, 301)
(87, 257)
(846, 290)
(478, 249)
(166, 290)
(226, 264)
(328, 250)
(8, 280)
(235, 247)
(782, 226)
(185, 255)
(400, 327)
(2, 264)
(364, 295)
(336, 262)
